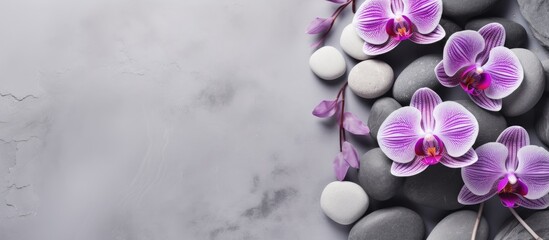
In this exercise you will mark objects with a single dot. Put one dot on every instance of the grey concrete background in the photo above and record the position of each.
(173, 120)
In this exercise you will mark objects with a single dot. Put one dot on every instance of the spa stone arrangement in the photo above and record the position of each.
(450, 156)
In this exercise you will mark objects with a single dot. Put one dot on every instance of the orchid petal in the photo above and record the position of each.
(470, 157)
(408, 169)
(485, 102)
(426, 100)
(397, 6)
(399, 133)
(467, 197)
(326, 108)
(482, 175)
(461, 50)
(373, 50)
(494, 36)
(354, 125)
(425, 14)
(444, 79)
(540, 203)
(456, 127)
(514, 138)
(370, 20)
(506, 72)
(429, 38)
(340, 166)
(533, 170)
(350, 155)
(508, 199)
(320, 25)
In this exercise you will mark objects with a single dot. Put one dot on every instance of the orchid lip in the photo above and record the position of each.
(399, 27)
(474, 80)
(431, 148)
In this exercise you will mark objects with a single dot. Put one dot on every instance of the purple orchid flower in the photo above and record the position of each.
(478, 62)
(383, 24)
(427, 132)
(511, 168)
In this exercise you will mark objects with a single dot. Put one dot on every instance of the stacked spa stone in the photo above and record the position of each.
(381, 206)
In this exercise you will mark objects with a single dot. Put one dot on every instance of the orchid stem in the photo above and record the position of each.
(477, 222)
(342, 137)
(525, 225)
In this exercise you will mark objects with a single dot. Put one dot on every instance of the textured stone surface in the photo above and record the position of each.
(352, 44)
(459, 226)
(379, 112)
(415, 76)
(530, 91)
(535, 13)
(465, 8)
(327, 63)
(371, 78)
(542, 123)
(344, 202)
(515, 34)
(375, 175)
(450, 28)
(514, 230)
(390, 223)
(436, 187)
(490, 124)
(545, 64)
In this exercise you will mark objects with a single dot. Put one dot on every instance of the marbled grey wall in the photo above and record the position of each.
(133, 120)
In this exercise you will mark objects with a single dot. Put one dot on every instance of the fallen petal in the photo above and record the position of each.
(350, 155)
(353, 125)
(326, 108)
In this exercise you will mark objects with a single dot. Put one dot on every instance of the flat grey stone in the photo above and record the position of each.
(535, 13)
(515, 34)
(490, 124)
(379, 112)
(436, 187)
(417, 75)
(529, 93)
(465, 8)
(542, 123)
(459, 226)
(545, 65)
(449, 27)
(389, 224)
(375, 175)
(513, 230)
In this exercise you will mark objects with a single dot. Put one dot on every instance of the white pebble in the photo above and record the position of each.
(328, 63)
(352, 44)
(344, 202)
(371, 78)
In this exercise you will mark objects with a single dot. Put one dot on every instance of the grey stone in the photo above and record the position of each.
(490, 124)
(535, 13)
(542, 124)
(513, 230)
(379, 112)
(529, 93)
(515, 34)
(387, 224)
(545, 64)
(465, 8)
(436, 187)
(371, 78)
(417, 75)
(459, 226)
(375, 175)
(449, 27)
